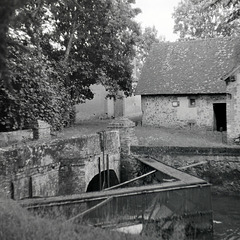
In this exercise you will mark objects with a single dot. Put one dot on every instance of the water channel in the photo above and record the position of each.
(226, 217)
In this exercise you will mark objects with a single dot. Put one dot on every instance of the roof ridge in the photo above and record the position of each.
(194, 66)
(199, 40)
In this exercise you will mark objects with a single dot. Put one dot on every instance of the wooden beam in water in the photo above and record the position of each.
(149, 173)
(192, 165)
(169, 170)
(129, 181)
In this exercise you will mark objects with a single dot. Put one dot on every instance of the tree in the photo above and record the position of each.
(98, 39)
(199, 19)
(147, 38)
(232, 5)
(88, 42)
(7, 8)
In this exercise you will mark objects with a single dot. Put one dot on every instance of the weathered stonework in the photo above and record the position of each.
(158, 110)
(126, 130)
(41, 130)
(8, 138)
(233, 109)
(130, 168)
(59, 167)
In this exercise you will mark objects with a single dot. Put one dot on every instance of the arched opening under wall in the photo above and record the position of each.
(103, 180)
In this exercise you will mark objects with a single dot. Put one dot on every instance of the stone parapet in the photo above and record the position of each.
(41, 130)
(219, 166)
(58, 167)
(15, 137)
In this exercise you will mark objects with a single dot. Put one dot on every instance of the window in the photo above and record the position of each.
(175, 103)
(192, 102)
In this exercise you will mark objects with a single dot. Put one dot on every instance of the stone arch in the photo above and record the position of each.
(103, 180)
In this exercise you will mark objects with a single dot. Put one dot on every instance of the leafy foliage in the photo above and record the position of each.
(7, 8)
(147, 38)
(232, 5)
(57, 49)
(37, 91)
(204, 19)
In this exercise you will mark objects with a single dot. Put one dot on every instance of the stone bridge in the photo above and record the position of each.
(61, 167)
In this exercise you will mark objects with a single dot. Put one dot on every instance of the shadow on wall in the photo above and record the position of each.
(104, 180)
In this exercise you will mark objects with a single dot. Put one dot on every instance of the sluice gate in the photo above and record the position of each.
(176, 206)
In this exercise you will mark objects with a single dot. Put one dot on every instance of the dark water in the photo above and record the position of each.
(226, 217)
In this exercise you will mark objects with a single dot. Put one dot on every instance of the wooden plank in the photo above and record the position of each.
(80, 215)
(129, 181)
(102, 195)
(193, 165)
(173, 172)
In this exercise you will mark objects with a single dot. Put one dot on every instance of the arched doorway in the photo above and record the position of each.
(103, 180)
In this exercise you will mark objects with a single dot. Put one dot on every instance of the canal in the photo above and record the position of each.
(226, 217)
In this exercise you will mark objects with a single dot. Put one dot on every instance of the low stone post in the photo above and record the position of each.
(129, 167)
(41, 130)
(126, 130)
(233, 108)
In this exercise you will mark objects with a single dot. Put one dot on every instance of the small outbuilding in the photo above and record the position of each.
(182, 85)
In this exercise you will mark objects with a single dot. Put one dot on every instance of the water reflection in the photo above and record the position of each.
(226, 217)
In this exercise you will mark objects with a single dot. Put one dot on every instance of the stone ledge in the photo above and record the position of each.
(7, 138)
(186, 150)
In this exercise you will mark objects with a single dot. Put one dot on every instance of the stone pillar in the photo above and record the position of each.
(126, 130)
(41, 130)
(128, 166)
(233, 109)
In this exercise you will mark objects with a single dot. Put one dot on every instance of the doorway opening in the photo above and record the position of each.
(220, 117)
(12, 190)
(103, 180)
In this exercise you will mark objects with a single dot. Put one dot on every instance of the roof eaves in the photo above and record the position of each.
(181, 93)
(226, 76)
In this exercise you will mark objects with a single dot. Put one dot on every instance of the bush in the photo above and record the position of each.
(37, 93)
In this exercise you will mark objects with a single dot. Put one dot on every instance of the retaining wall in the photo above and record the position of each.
(222, 167)
(58, 167)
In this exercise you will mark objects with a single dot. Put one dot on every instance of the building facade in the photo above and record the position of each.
(182, 85)
(208, 111)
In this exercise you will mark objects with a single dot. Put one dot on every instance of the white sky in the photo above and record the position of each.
(159, 14)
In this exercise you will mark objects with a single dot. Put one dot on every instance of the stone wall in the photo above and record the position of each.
(14, 137)
(161, 111)
(126, 130)
(40, 130)
(221, 168)
(233, 110)
(97, 108)
(59, 167)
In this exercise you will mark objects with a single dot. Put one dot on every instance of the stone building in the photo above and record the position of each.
(182, 85)
(101, 107)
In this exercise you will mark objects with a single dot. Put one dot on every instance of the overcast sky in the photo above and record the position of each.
(159, 14)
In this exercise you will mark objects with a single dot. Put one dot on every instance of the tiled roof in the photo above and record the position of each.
(190, 67)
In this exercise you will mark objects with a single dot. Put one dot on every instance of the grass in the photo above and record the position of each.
(17, 223)
(154, 136)
(162, 136)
